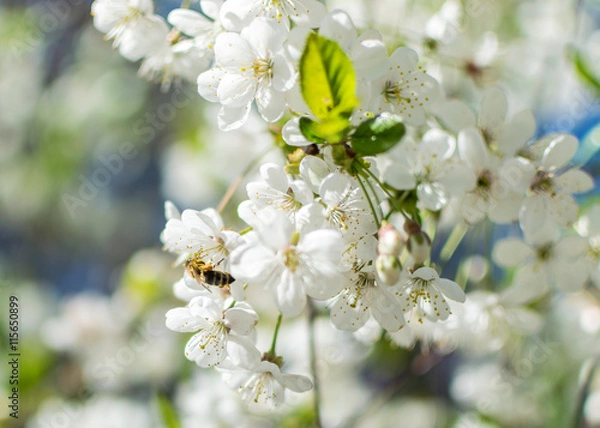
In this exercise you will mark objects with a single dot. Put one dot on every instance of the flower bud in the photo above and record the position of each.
(391, 242)
(388, 268)
(419, 246)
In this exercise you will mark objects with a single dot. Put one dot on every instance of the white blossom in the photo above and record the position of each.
(213, 326)
(250, 66)
(291, 266)
(424, 291)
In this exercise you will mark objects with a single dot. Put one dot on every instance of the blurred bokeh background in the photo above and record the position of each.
(89, 152)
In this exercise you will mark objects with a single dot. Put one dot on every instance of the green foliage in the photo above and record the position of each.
(585, 73)
(328, 85)
(377, 135)
(167, 412)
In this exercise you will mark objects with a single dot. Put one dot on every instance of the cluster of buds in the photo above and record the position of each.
(389, 247)
(392, 243)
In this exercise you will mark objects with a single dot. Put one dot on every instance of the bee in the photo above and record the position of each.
(205, 273)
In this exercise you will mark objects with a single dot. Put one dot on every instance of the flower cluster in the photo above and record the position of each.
(379, 160)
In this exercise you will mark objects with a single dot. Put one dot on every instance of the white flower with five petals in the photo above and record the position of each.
(200, 232)
(132, 24)
(236, 14)
(250, 66)
(291, 265)
(258, 378)
(551, 185)
(429, 167)
(425, 293)
(213, 325)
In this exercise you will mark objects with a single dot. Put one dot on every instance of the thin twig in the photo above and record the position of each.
(312, 314)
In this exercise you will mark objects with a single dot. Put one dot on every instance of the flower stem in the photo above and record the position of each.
(586, 375)
(274, 343)
(236, 183)
(362, 186)
(455, 238)
(312, 315)
(391, 197)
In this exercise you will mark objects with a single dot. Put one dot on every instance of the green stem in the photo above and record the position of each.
(362, 186)
(185, 4)
(272, 350)
(585, 379)
(246, 230)
(455, 238)
(391, 197)
(312, 315)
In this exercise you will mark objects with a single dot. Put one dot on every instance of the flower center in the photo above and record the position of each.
(291, 259)
(543, 182)
(544, 252)
(263, 68)
(392, 93)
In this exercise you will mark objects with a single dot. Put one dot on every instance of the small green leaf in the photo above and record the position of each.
(584, 70)
(307, 127)
(167, 412)
(327, 79)
(377, 135)
(330, 130)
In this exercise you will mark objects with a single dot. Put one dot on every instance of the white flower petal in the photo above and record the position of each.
(296, 383)
(454, 114)
(284, 76)
(231, 118)
(338, 26)
(211, 8)
(241, 319)
(349, 311)
(426, 273)
(516, 133)
(562, 208)
(289, 294)
(292, 135)
(533, 213)
(237, 90)
(431, 196)
(510, 252)
(528, 285)
(310, 13)
(387, 311)
(492, 112)
(472, 149)
(451, 290)
(207, 347)
(369, 57)
(559, 152)
(270, 103)
(575, 181)
(181, 319)
(233, 52)
(189, 22)
(208, 84)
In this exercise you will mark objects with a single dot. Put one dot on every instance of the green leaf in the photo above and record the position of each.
(308, 128)
(378, 135)
(167, 412)
(327, 79)
(584, 70)
(330, 130)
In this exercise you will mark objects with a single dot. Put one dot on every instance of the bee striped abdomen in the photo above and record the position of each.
(217, 277)
(204, 274)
